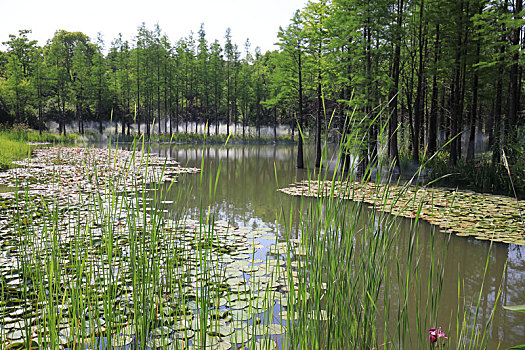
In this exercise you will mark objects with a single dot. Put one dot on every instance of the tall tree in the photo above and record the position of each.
(315, 18)
(217, 81)
(19, 68)
(59, 60)
(393, 151)
(292, 43)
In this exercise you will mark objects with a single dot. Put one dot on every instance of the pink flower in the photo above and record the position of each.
(435, 334)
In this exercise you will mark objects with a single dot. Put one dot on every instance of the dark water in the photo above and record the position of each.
(246, 195)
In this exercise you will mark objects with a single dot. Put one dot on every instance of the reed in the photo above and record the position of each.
(113, 268)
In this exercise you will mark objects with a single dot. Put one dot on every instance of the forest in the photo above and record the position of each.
(408, 76)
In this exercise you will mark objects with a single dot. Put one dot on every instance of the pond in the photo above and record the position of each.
(97, 251)
(246, 195)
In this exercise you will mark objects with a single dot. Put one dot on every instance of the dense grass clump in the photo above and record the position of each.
(11, 150)
(481, 176)
(15, 142)
(20, 132)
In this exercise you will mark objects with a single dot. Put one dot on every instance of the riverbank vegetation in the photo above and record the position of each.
(16, 142)
(220, 139)
(22, 133)
(11, 150)
(481, 176)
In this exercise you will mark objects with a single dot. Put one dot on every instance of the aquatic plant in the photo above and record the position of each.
(435, 335)
(98, 252)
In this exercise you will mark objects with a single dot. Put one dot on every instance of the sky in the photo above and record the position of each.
(258, 20)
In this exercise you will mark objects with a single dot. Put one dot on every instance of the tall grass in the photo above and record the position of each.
(14, 143)
(20, 132)
(355, 290)
(112, 269)
(12, 150)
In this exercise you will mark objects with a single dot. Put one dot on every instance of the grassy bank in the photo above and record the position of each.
(22, 133)
(16, 143)
(12, 150)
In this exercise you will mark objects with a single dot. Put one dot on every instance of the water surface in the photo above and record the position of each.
(246, 195)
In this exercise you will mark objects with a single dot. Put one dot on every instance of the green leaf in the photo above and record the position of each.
(517, 347)
(519, 308)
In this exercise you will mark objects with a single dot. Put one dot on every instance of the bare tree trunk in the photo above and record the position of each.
(473, 113)
(393, 149)
(511, 131)
(432, 124)
(274, 124)
(318, 123)
(418, 103)
(455, 96)
(300, 160)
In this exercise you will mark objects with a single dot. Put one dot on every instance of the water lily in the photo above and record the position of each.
(435, 334)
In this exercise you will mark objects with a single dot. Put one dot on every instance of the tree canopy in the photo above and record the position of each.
(425, 72)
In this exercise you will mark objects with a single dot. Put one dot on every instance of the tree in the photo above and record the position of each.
(316, 34)
(59, 53)
(203, 83)
(217, 79)
(246, 83)
(99, 82)
(292, 43)
(393, 151)
(17, 89)
(81, 79)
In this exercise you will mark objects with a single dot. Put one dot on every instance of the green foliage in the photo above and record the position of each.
(11, 150)
(22, 133)
(518, 308)
(480, 176)
(436, 59)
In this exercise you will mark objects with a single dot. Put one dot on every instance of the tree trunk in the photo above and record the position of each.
(474, 109)
(318, 123)
(496, 147)
(432, 123)
(393, 149)
(300, 160)
(418, 103)
(455, 96)
(511, 131)
(275, 124)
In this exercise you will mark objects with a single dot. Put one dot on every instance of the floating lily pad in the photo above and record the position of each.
(487, 217)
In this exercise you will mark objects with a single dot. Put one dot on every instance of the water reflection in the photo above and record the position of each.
(246, 195)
